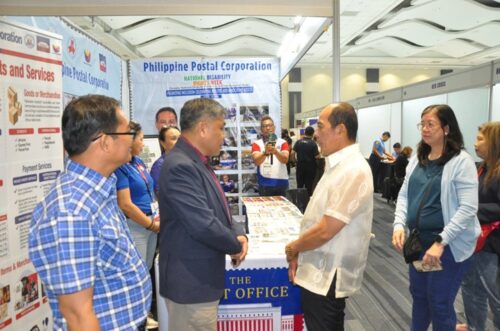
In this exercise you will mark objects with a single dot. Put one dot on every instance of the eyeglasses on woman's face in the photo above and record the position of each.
(431, 125)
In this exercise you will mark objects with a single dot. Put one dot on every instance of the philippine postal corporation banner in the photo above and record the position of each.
(247, 87)
(32, 157)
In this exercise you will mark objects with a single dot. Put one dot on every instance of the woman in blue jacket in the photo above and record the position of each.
(441, 181)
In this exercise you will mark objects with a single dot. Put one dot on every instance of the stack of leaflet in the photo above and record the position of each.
(272, 223)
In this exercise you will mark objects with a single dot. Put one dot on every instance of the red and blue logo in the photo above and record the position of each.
(102, 63)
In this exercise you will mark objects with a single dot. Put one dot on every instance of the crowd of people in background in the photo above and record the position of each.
(94, 236)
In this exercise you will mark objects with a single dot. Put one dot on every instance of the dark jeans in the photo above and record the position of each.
(480, 286)
(434, 294)
(305, 176)
(323, 313)
(267, 191)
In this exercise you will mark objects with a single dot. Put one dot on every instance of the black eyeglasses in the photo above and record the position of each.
(129, 133)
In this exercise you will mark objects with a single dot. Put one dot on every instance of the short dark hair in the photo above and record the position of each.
(136, 127)
(266, 118)
(309, 131)
(344, 113)
(396, 145)
(386, 133)
(165, 109)
(197, 109)
(84, 118)
(453, 141)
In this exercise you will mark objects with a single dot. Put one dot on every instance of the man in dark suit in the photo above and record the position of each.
(197, 230)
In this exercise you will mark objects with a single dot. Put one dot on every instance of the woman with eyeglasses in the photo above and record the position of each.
(440, 193)
(136, 199)
(481, 284)
(167, 137)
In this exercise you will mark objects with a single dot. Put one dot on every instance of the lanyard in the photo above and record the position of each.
(139, 168)
(480, 171)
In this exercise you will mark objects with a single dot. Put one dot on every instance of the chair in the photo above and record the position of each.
(299, 197)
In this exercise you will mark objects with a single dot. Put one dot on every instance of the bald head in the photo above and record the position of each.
(343, 113)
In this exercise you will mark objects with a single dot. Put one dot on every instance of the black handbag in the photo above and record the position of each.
(412, 248)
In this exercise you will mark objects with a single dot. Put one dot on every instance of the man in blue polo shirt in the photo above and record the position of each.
(271, 156)
(79, 241)
(378, 155)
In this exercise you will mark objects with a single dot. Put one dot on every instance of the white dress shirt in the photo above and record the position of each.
(345, 192)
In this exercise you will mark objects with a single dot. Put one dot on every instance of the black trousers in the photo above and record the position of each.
(323, 313)
(305, 174)
(267, 191)
(375, 166)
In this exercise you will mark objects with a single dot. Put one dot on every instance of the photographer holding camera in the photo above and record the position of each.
(270, 154)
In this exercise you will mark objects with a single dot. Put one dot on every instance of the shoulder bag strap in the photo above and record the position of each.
(424, 197)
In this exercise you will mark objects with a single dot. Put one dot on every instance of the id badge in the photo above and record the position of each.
(155, 210)
(267, 169)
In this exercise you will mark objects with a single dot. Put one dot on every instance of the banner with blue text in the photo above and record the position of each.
(251, 84)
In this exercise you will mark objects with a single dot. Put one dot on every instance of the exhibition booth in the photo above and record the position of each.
(45, 62)
(473, 94)
(258, 295)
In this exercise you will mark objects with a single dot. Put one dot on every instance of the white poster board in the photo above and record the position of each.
(247, 87)
(32, 157)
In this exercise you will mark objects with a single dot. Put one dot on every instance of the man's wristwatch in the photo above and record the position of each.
(439, 240)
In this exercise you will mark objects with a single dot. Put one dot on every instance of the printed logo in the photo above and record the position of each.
(72, 47)
(56, 47)
(42, 44)
(88, 55)
(29, 40)
(102, 62)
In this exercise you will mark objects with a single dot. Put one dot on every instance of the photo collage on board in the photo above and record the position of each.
(234, 165)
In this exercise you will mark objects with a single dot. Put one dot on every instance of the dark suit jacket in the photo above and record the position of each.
(196, 231)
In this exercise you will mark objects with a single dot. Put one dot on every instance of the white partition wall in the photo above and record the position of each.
(471, 108)
(372, 121)
(473, 94)
(378, 113)
(495, 92)
(396, 122)
(412, 109)
(495, 103)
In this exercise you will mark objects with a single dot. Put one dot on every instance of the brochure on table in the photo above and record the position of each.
(272, 223)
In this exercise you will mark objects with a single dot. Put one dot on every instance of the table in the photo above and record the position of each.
(258, 295)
